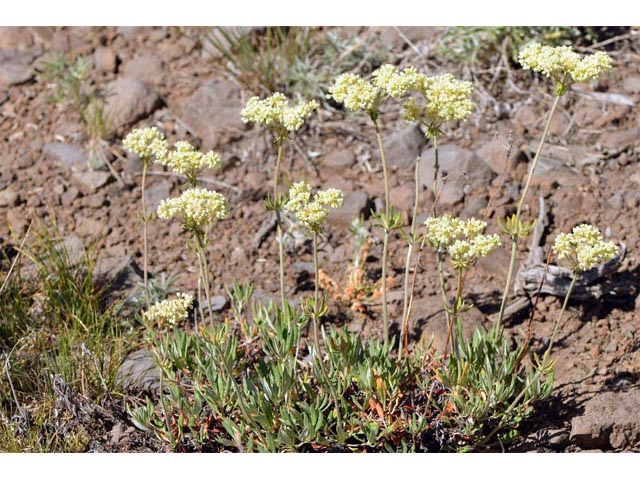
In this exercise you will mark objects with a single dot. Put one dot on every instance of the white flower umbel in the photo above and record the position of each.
(146, 143)
(195, 208)
(184, 159)
(170, 311)
(312, 214)
(584, 248)
(563, 64)
(275, 113)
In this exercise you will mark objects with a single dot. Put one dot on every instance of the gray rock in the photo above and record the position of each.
(464, 171)
(402, 149)
(67, 156)
(494, 154)
(338, 160)
(218, 303)
(355, 204)
(15, 67)
(609, 419)
(155, 193)
(213, 112)
(9, 198)
(139, 373)
(129, 100)
(145, 67)
(631, 84)
(91, 180)
(621, 140)
(429, 317)
(105, 59)
(119, 272)
(15, 38)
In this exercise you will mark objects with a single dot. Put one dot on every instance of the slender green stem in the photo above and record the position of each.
(512, 264)
(145, 237)
(204, 272)
(385, 245)
(545, 359)
(276, 179)
(514, 238)
(454, 314)
(412, 240)
(436, 171)
(316, 336)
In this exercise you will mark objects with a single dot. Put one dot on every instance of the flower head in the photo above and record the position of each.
(394, 82)
(355, 93)
(312, 214)
(275, 113)
(171, 311)
(563, 64)
(146, 142)
(186, 160)
(195, 208)
(584, 248)
(463, 240)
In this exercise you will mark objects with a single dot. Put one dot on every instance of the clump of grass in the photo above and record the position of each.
(59, 342)
(300, 61)
(70, 85)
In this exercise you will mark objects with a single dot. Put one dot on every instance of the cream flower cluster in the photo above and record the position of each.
(146, 142)
(396, 83)
(446, 99)
(584, 247)
(355, 93)
(312, 214)
(463, 239)
(563, 64)
(186, 160)
(275, 113)
(171, 311)
(195, 208)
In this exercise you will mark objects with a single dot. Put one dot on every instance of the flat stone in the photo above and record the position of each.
(218, 303)
(9, 198)
(355, 204)
(338, 160)
(15, 67)
(146, 67)
(610, 419)
(91, 180)
(118, 272)
(139, 373)
(213, 112)
(429, 318)
(621, 140)
(105, 59)
(155, 193)
(464, 172)
(403, 147)
(631, 84)
(129, 100)
(15, 38)
(494, 154)
(67, 156)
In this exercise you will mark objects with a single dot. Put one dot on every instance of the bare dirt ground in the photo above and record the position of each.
(590, 172)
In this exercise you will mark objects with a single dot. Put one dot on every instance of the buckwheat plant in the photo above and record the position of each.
(357, 94)
(565, 67)
(147, 143)
(185, 160)
(197, 209)
(440, 99)
(464, 243)
(312, 214)
(282, 120)
(582, 249)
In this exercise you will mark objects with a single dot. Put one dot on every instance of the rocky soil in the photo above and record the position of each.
(589, 172)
